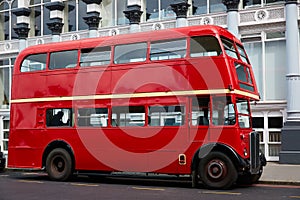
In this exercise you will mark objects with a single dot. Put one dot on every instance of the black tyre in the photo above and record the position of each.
(248, 179)
(217, 171)
(59, 165)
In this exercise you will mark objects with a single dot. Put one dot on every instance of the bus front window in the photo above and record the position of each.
(243, 113)
(223, 111)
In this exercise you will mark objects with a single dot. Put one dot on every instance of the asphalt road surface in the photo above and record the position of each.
(30, 186)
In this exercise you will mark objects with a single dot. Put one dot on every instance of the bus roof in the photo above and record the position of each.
(154, 35)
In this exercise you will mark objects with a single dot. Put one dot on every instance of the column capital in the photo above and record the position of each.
(92, 1)
(231, 5)
(92, 20)
(56, 5)
(133, 13)
(180, 8)
(55, 26)
(21, 12)
(22, 30)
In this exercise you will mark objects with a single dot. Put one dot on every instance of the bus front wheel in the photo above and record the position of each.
(59, 165)
(217, 171)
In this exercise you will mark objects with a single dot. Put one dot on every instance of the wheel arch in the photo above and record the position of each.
(227, 150)
(58, 144)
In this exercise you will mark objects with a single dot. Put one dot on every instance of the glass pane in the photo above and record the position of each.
(223, 111)
(275, 122)
(258, 122)
(59, 117)
(96, 117)
(276, 70)
(128, 116)
(216, 6)
(166, 9)
(253, 2)
(82, 13)
(6, 124)
(152, 9)
(274, 149)
(36, 12)
(244, 77)
(168, 49)
(4, 87)
(166, 115)
(130, 53)
(121, 7)
(199, 7)
(229, 48)
(95, 56)
(243, 112)
(254, 51)
(205, 46)
(200, 111)
(72, 15)
(46, 19)
(63, 59)
(274, 136)
(35, 62)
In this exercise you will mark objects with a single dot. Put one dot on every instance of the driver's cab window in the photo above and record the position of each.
(223, 111)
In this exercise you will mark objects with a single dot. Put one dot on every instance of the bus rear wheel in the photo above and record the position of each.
(59, 165)
(217, 171)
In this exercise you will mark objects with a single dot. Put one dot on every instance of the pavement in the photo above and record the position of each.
(275, 173)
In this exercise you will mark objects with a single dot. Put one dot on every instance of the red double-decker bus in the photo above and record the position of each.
(173, 101)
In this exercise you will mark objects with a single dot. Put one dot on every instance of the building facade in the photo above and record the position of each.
(261, 27)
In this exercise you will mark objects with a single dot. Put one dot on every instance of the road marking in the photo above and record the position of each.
(4, 175)
(29, 181)
(276, 186)
(84, 184)
(221, 193)
(294, 197)
(144, 188)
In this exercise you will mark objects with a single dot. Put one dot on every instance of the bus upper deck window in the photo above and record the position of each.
(243, 54)
(63, 59)
(95, 56)
(170, 49)
(128, 53)
(36, 62)
(205, 46)
(229, 48)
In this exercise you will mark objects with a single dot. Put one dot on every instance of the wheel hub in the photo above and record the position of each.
(216, 169)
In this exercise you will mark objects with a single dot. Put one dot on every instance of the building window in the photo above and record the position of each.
(8, 21)
(82, 8)
(121, 7)
(152, 9)
(70, 22)
(4, 21)
(207, 6)
(254, 51)
(159, 9)
(39, 17)
(5, 80)
(275, 70)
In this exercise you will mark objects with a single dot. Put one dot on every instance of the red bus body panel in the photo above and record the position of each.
(146, 149)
